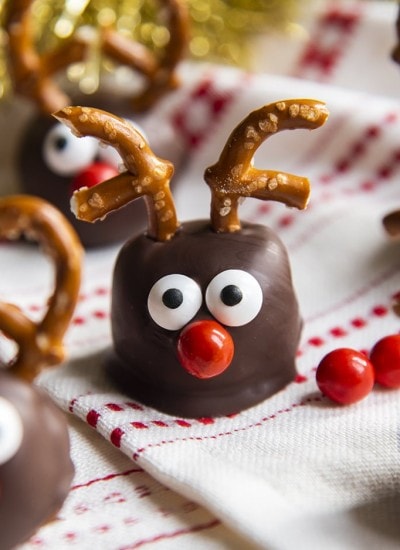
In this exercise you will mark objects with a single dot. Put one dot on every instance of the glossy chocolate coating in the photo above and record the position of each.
(144, 363)
(36, 480)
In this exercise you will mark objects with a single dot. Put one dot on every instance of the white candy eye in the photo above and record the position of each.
(11, 430)
(234, 297)
(110, 155)
(67, 154)
(174, 300)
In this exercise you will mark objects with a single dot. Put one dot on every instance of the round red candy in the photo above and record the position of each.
(92, 175)
(345, 376)
(205, 349)
(385, 357)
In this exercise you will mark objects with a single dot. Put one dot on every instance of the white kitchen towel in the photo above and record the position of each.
(295, 471)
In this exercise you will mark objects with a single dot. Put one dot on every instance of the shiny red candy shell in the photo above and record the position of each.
(345, 376)
(385, 357)
(205, 349)
(92, 175)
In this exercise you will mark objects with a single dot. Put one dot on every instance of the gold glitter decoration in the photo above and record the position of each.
(221, 30)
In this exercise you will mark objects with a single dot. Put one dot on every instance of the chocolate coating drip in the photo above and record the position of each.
(145, 363)
(36, 480)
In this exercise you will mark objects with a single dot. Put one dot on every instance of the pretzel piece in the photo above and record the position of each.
(234, 176)
(159, 71)
(40, 344)
(147, 175)
(33, 73)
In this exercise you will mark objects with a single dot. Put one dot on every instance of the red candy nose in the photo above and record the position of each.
(205, 349)
(92, 175)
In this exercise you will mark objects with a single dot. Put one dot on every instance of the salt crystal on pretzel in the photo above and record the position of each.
(234, 177)
(147, 175)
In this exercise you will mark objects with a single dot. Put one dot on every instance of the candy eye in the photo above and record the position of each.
(110, 155)
(11, 430)
(234, 297)
(66, 154)
(173, 301)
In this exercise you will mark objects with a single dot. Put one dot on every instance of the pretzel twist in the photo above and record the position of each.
(33, 74)
(40, 344)
(234, 176)
(147, 175)
(159, 71)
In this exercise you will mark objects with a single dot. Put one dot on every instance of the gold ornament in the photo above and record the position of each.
(221, 30)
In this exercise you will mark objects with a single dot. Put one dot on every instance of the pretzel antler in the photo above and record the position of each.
(233, 176)
(33, 74)
(160, 72)
(147, 175)
(40, 344)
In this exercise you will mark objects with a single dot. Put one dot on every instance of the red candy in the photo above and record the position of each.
(385, 357)
(93, 174)
(205, 349)
(345, 376)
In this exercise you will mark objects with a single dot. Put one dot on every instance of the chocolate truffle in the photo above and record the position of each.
(146, 360)
(205, 320)
(35, 466)
(46, 141)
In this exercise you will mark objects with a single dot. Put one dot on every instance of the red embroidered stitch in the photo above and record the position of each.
(116, 436)
(207, 99)
(136, 455)
(92, 418)
(328, 44)
(108, 477)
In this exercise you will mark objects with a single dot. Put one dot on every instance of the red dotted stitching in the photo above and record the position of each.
(134, 406)
(101, 529)
(116, 437)
(77, 320)
(359, 148)
(139, 425)
(136, 455)
(215, 100)
(93, 416)
(36, 541)
(108, 477)
(346, 164)
(334, 29)
(356, 323)
(70, 536)
(114, 407)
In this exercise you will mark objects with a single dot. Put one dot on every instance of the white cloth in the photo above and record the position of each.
(295, 471)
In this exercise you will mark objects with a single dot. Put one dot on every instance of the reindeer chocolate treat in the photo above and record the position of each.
(204, 317)
(50, 162)
(35, 465)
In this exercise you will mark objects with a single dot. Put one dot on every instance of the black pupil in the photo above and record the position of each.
(172, 298)
(60, 143)
(231, 295)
